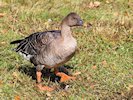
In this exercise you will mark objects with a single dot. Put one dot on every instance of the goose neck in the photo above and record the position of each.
(66, 31)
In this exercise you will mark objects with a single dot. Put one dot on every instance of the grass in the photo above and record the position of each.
(104, 56)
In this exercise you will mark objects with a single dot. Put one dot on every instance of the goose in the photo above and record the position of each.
(50, 49)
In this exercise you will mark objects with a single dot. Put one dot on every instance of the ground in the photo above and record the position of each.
(103, 61)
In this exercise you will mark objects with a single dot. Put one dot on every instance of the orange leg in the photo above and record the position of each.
(39, 85)
(64, 77)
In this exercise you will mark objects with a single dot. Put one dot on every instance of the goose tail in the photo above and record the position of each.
(15, 42)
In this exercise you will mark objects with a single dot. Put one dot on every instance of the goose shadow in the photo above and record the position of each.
(46, 73)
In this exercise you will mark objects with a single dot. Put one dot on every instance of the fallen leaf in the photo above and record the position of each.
(91, 5)
(116, 14)
(92, 85)
(4, 31)
(104, 62)
(48, 94)
(2, 4)
(77, 73)
(94, 67)
(3, 42)
(2, 14)
(130, 93)
(107, 1)
(97, 4)
(129, 87)
(88, 78)
(17, 97)
(94, 4)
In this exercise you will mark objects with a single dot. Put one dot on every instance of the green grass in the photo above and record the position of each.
(108, 45)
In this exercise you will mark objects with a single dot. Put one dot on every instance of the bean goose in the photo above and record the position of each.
(50, 49)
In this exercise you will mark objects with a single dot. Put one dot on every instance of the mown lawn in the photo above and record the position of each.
(104, 57)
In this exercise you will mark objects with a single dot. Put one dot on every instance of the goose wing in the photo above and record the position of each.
(32, 44)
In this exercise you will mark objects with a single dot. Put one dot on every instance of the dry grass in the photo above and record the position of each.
(104, 56)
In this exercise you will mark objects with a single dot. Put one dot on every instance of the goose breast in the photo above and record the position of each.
(58, 52)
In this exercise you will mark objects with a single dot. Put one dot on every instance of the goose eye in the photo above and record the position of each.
(74, 18)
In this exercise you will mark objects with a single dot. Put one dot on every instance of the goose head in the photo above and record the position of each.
(72, 19)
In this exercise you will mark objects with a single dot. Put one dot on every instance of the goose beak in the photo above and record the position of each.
(80, 23)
